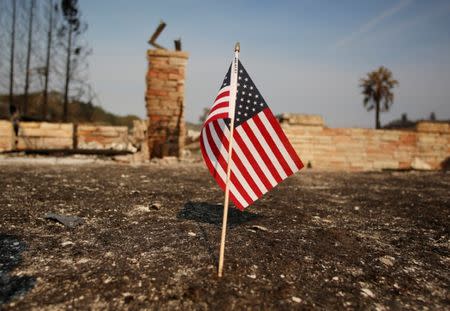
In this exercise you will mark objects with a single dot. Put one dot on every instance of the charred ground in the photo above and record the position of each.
(150, 239)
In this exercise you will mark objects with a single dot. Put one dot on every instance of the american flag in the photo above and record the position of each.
(261, 157)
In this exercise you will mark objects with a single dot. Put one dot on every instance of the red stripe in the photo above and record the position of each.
(237, 161)
(223, 94)
(218, 106)
(273, 146)
(223, 163)
(236, 202)
(209, 164)
(252, 160)
(261, 151)
(276, 126)
(216, 176)
(217, 116)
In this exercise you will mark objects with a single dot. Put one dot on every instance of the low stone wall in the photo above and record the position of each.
(102, 137)
(7, 136)
(353, 149)
(358, 149)
(51, 136)
(44, 135)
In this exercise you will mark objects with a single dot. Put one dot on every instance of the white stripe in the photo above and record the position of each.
(262, 141)
(216, 112)
(221, 100)
(256, 155)
(278, 142)
(219, 169)
(234, 168)
(224, 89)
(243, 158)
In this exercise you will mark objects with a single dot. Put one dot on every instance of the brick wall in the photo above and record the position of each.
(102, 137)
(366, 149)
(6, 136)
(165, 102)
(44, 135)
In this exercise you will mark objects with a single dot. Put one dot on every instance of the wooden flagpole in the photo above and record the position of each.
(233, 90)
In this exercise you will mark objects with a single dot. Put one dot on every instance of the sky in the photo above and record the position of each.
(304, 56)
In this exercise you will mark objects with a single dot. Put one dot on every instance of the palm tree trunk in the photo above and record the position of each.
(377, 115)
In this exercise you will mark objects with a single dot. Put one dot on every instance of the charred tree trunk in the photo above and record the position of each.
(66, 88)
(12, 107)
(27, 69)
(47, 62)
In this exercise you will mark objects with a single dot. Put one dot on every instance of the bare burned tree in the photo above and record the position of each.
(12, 107)
(72, 30)
(51, 24)
(29, 47)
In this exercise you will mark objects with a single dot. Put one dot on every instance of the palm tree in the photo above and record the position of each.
(377, 89)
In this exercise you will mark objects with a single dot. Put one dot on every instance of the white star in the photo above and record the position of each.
(245, 86)
(245, 114)
(237, 119)
(251, 88)
(261, 104)
(239, 112)
(240, 106)
(239, 78)
(256, 96)
(239, 84)
(248, 100)
(243, 93)
(246, 107)
(246, 79)
(249, 94)
(253, 109)
(242, 99)
(254, 103)
(240, 71)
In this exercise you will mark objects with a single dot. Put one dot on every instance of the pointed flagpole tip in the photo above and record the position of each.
(237, 47)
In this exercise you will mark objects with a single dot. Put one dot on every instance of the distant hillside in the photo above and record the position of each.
(78, 111)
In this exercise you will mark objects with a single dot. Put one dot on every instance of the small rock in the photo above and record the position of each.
(367, 292)
(127, 297)
(387, 260)
(257, 227)
(190, 233)
(335, 278)
(419, 164)
(252, 276)
(69, 221)
(16, 243)
(282, 276)
(296, 299)
(67, 243)
(155, 206)
(356, 208)
(139, 209)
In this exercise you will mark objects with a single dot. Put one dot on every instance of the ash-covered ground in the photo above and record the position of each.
(150, 240)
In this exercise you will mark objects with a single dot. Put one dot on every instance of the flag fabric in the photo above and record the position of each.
(261, 157)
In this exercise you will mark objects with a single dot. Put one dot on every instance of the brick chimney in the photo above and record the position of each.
(165, 102)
